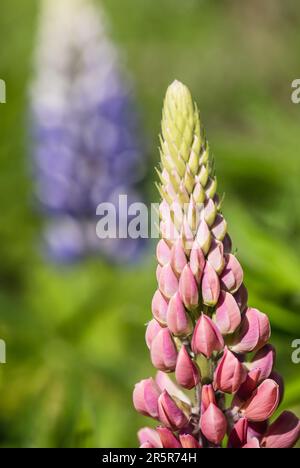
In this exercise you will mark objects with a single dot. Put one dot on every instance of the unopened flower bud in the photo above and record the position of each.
(188, 288)
(167, 438)
(263, 402)
(232, 275)
(216, 256)
(159, 308)
(145, 398)
(207, 337)
(163, 253)
(204, 237)
(219, 228)
(207, 397)
(210, 286)
(149, 436)
(254, 333)
(178, 320)
(230, 373)
(283, 433)
(163, 351)
(213, 424)
(152, 330)
(197, 262)
(186, 372)
(189, 442)
(228, 315)
(168, 283)
(178, 257)
(169, 412)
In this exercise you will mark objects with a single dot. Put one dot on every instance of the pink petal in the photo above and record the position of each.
(263, 402)
(283, 433)
(146, 435)
(168, 440)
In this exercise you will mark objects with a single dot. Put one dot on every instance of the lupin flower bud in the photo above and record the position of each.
(216, 256)
(197, 262)
(230, 373)
(178, 320)
(206, 338)
(213, 424)
(232, 276)
(152, 330)
(188, 288)
(159, 308)
(149, 438)
(202, 303)
(204, 237)
(168, 283)
(163, 253)
(169, 413)
(145, 398)
(263, 403)
(207, 397)
(228, 315)
(254, 333)
(283, 433)
(188, 441)
(263, 361)
(186, 372)
(163, 351)
(178, 258)
(167, 438)
(210, 286)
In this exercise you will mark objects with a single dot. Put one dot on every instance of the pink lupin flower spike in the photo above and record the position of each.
(203, 329)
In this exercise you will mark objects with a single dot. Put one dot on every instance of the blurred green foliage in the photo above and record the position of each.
(75, 336)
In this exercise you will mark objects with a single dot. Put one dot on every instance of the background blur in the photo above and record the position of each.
(75, 335)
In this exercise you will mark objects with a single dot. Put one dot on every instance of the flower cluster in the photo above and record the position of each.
(85, 129)
(202, 328)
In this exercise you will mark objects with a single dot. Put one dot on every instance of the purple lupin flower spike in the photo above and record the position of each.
(204, 330)
(86, 147)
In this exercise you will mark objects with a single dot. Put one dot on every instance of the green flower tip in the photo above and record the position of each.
(184, 151)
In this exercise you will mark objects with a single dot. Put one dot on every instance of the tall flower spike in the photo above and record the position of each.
(203, 328)
(85, 132)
